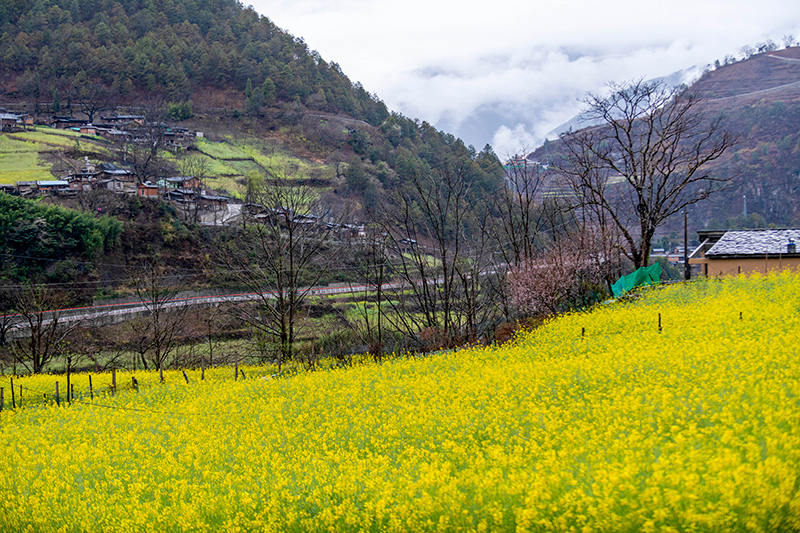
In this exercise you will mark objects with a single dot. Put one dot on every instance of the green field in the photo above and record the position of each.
(20, 161)
(599, 421)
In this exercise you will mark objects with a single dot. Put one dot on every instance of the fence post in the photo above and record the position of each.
(1, 398)
(69, 389)
(58, 400)
(659, 322)
(91, 391)
(236, 372)
(13, 400)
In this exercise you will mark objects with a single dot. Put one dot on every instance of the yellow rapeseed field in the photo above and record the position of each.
(594, 422)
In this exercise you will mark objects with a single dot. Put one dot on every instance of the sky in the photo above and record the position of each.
(510, 72)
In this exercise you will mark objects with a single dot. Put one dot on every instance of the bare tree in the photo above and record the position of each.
(41, 316)
(647, 160)
(142, 149)
(519, 211)
(280, 256)
(156, 332)
(92, 97)
(434, 227)
(370, 266)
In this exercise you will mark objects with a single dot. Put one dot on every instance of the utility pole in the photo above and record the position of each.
(687, 271)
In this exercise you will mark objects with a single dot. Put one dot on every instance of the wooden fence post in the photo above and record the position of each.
(113, 381)
(236, 372)
(659, 322)
(58, 400)
(1, 398)
(13, 400)
(91, 391)
(69, 382)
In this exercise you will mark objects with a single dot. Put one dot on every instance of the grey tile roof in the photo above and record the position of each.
(754, 242)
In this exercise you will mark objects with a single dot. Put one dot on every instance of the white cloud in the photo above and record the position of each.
(487, 72)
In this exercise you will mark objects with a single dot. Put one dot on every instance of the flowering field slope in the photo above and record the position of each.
(623, 428)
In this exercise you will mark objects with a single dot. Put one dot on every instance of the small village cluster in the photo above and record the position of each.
(184, 190)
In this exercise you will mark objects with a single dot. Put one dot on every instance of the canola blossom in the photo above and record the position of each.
(595, 421)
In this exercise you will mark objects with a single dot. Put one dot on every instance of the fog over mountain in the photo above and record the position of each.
(508, 73)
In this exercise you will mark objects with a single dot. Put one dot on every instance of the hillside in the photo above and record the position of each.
(623, 428)
(217, 67)
(759, 99)
(776, 74)
(101, 52)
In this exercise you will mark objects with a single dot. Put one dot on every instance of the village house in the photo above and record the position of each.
(110, 170)
(182, 182)
(181, 196)
(65, 123)
(147, 190)
(733, 252)
(88, 129)
(13, 121)
(212, 202)
(27, 188)
(116, 184)
(54, 187)
(123, 120)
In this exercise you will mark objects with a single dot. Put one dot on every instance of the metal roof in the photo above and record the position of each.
(754, 242)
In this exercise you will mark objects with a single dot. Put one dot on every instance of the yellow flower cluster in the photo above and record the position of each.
(593, 422)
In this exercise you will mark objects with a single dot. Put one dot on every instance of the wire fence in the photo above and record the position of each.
(66, 389)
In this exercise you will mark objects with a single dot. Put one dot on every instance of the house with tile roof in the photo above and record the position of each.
(733, 252)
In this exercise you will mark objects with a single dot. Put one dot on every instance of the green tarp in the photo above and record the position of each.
(644, 276)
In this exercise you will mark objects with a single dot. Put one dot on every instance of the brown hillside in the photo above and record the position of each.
(773, 75)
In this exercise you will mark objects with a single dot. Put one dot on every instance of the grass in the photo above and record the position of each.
(627, 428)
(21, 153)
(55, 131)
(220, 150)
(20, 161)
(49, 140)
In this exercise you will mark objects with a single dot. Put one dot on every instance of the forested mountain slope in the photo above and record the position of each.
(185, 49)
(217, 60)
